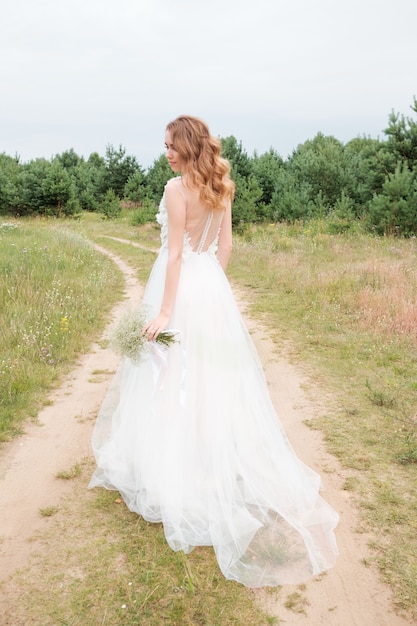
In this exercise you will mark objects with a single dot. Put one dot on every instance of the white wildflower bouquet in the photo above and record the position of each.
(129, 337)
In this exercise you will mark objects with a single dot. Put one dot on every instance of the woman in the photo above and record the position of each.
(193, 440)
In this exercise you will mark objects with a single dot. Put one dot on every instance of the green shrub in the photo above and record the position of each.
(144, 213)
(110, 206)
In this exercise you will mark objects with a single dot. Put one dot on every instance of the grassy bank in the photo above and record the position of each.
(55, 292)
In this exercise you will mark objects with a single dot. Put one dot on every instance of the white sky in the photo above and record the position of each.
(82, 74)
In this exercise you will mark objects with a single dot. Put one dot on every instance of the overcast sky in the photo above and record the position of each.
(82, 74)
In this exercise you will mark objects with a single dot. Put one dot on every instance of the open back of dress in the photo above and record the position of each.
(202, 225)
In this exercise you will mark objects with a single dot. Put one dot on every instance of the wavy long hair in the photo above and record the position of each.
(205, 168)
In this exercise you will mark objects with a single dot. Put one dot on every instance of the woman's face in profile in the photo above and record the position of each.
(172, 155)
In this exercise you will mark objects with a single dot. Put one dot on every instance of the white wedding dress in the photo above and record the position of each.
(191, 438)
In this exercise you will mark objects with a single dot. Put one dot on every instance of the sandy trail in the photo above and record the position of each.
(349, 595)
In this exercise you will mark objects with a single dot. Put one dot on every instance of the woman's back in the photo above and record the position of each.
(202, 224)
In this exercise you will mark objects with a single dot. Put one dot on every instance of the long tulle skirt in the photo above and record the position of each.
(190, 438)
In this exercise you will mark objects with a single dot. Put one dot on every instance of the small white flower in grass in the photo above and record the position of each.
(129, 337)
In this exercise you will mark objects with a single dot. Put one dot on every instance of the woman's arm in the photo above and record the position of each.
(176, 210)
(225, 238)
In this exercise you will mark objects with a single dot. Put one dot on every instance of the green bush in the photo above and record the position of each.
(110, 207)
(144, 213)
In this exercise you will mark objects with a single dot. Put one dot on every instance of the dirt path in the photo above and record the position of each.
(349, 595)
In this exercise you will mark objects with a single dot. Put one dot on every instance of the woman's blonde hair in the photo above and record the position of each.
(206, 170)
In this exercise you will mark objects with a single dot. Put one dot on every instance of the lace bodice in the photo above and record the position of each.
(188, 249)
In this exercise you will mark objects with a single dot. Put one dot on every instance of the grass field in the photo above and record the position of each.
(55, 293)
(348, 305)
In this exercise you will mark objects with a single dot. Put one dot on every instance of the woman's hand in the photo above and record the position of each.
(155, 326)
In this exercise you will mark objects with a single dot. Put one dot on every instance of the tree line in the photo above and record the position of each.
(366, 179)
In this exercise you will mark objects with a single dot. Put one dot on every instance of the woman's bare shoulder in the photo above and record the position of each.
(174, 190)
(174, 182)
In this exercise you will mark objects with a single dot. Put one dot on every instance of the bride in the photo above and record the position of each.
(191, 438)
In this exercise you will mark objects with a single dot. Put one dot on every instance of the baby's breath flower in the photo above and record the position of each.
(129, 337)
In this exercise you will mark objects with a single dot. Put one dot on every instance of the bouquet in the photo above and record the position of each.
(129, 337)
